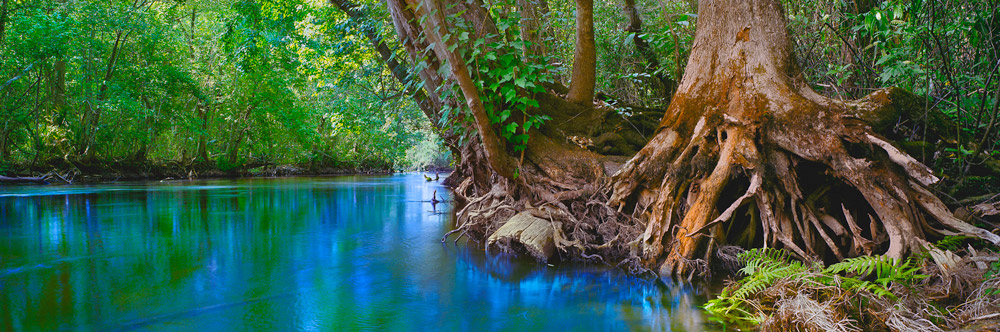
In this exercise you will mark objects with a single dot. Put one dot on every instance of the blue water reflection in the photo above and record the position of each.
(296, 254)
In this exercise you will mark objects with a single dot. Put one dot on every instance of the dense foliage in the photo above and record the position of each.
(200, 84)
(237, 84)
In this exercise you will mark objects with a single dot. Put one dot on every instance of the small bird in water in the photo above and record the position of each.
(427, 178)
(437, 176)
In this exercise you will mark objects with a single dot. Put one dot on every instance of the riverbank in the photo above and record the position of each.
(176, 171)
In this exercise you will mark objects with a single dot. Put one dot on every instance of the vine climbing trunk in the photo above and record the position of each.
(745, 133)
(435, 27)
(746, 153)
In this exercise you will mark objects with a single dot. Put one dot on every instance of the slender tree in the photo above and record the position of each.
(581, 88)
(434, 27)
(3, 20)
(653, 65)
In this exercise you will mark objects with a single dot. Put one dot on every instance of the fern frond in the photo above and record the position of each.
(951, 242)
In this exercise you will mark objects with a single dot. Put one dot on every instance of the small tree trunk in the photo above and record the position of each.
(58, 86)
(234, 146)
(3, 20)
(584, 79)
(4, 141)
(202, 112)
(652, 61)
(533, 29)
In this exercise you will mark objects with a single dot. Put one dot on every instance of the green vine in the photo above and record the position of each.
(508, 76)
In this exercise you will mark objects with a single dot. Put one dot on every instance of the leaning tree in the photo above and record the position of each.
(746, 153)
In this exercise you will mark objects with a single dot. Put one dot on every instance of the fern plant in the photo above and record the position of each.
(952, 242)
(764, 267)
(887, 270)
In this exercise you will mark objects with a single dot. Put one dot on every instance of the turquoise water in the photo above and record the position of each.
(290, 254)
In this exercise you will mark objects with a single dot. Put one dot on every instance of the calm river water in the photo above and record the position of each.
(290, 254)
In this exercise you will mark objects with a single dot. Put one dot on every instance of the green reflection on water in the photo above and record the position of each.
(299, 254)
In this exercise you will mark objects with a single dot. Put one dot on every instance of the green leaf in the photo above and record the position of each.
(509, 129)
(520, 82)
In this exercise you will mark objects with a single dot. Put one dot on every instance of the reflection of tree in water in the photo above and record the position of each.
(609, 292)
(266, 255)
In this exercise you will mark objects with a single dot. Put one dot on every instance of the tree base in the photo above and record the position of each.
(824, 190)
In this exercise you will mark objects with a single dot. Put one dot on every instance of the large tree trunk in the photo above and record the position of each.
(744, 120)
(581, 87)
(430, 106)
(743, 136)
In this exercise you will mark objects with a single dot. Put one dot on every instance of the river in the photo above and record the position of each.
(291, 254)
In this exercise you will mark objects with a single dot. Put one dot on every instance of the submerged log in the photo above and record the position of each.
(525, 232)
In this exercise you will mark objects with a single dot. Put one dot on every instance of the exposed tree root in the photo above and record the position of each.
(746, 154)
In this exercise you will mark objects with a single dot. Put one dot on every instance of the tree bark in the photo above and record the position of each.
(584, 79)
(409, 31)
(3, 20)
(434, 27)
(428, 104)
(533, 29)
(743, 111)
(653, 65)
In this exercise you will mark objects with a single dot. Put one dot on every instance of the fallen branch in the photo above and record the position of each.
(20, 180)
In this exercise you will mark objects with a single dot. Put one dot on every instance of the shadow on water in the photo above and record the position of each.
(294, 254)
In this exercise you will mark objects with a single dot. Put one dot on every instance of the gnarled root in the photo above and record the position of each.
(823, 191)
